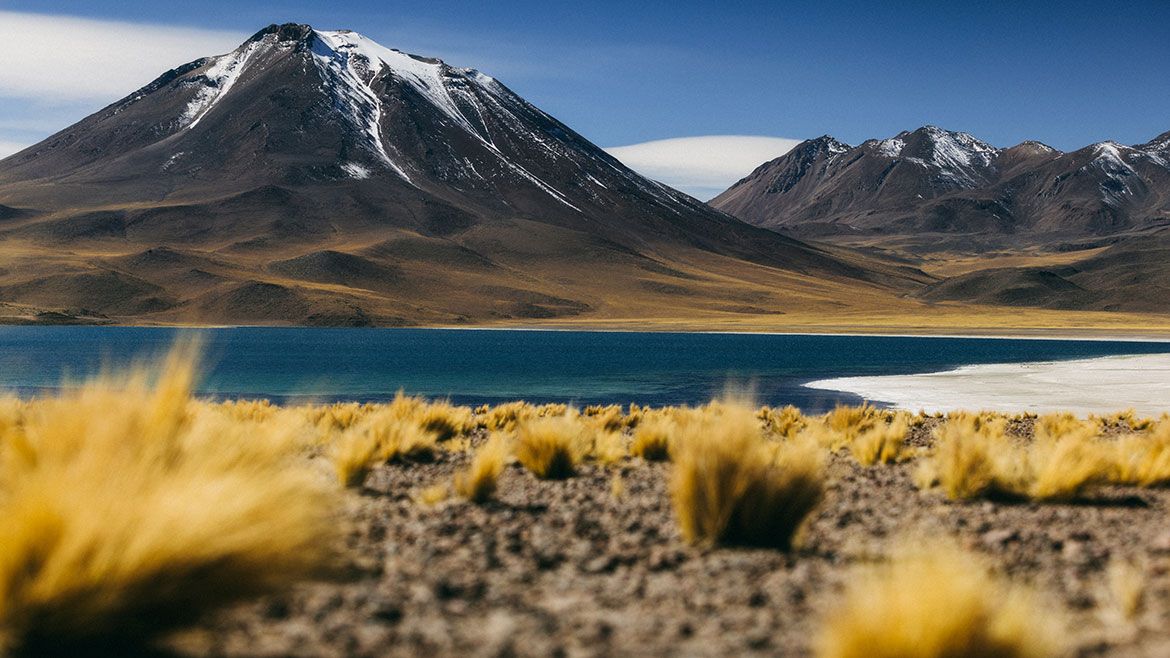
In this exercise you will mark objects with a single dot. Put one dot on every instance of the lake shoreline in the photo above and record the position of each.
(1097, 385)
(1138, 335)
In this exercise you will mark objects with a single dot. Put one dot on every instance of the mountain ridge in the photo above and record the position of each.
(345, 182)
(948, 183)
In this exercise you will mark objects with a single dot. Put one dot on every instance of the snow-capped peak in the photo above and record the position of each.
(1109, 155)
(426, 75)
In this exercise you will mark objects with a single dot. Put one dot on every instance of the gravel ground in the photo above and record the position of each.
(595, 566)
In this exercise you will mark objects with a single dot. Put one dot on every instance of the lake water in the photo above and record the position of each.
(471, 367)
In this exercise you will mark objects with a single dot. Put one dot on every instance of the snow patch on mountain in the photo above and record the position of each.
(356, 171)
(355, 98)
(890, 148)
(217, 81)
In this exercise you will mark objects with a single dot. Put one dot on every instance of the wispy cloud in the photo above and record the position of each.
(702, 166)
(69, 59)
(8, 148)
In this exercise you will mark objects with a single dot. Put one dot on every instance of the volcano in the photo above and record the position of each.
(316, 177)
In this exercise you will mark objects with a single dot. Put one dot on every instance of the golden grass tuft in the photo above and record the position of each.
(973, 457)
(783, 423)
(940, 604)
(1143, 459)
(652, 438)
(882, 443)
(551, 447)
(381, 437)
(446, 421)
(731, 486)
(128, 508)
(478, 483)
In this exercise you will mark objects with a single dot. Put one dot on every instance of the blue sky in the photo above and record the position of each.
(1067, 73)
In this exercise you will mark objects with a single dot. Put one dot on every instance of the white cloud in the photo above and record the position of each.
(702, 166)
(8, 148)
(70, 59)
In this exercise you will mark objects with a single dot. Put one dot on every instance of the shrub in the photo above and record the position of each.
(129, 509)
(784, 423)
(973, 457)
(478, 483)
(446, 421)
(381, 437)
(652, 438)
(882, 443)
(551, 447)
(608, 447)
(938, 605)
(730, 486)
(1143, 459)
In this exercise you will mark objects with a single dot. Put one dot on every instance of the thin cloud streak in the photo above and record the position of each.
(702, 166)
(67, 59)
(8, 148)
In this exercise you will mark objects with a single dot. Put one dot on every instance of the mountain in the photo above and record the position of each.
(315, 176)
(1085, 230)
(937, 190)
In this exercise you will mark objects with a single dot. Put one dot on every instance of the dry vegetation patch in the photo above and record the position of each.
(938, 603)
(217, 502)
(129, 509)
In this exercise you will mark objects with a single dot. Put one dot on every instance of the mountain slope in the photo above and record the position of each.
(316, 176)
(931, 195)
(936, 190)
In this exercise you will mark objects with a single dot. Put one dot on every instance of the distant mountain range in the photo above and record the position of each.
(317, 177)
(938, 190)
(1087, 229)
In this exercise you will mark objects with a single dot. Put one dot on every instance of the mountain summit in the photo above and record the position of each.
(316, 176)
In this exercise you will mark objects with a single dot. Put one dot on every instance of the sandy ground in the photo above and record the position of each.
(575, 568)
(1101, 386)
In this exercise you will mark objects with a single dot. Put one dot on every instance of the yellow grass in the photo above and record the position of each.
(478, 483)
(551, 447)
(1143, 459)
(937, 604)
(652, 438)
(973, 457)
(731, 486)
(882, 443)
(128, 508)
(381, 437)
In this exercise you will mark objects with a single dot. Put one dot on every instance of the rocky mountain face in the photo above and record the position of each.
(316, 176)
(933, 189)
(1102, 211)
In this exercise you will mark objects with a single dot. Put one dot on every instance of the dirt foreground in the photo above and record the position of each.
(594, 566)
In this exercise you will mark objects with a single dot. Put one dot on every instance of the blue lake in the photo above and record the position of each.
(471, 367)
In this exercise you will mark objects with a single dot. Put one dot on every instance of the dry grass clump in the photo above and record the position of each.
(551, 447)
(478, 483)
(506, 417)
(607, 448)
(882, 443)
(941, 604)
(731, 486)
(128, 509)
(382, 437)
(783, 423)
(1127, 421)
(973, 457)
(443, 419)
(652, 436)
(1143, 459)
(609, 418)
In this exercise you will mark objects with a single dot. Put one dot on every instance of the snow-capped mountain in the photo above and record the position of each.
(927, 185)
(317, 176)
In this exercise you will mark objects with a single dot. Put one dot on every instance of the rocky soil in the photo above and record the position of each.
(595, 566)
